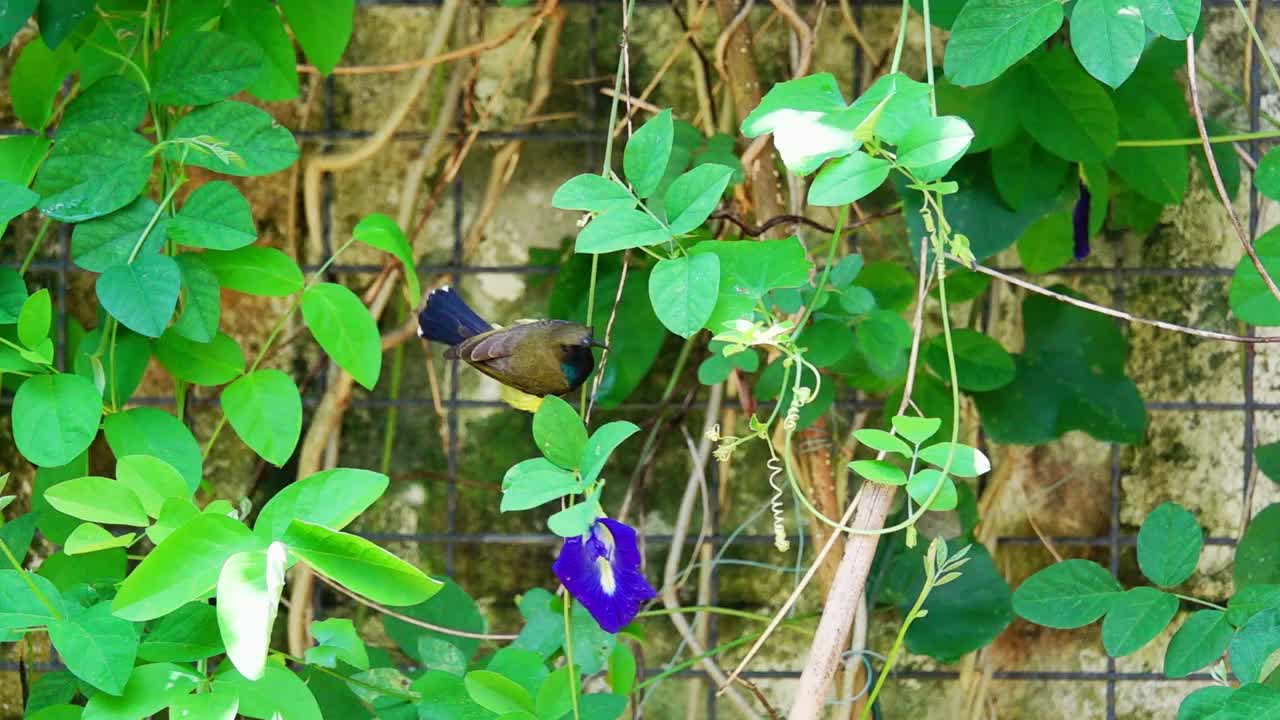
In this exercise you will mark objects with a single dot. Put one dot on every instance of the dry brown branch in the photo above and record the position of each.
(687, 41)
(413, 620)
(634, 102)
(804, 36)
(1245, 240)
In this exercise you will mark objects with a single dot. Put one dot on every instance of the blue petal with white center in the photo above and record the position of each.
(602, 570)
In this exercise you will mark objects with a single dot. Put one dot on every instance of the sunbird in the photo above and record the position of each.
(535, 357)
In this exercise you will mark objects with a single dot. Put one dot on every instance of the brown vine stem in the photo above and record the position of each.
(1245, 240)
(413, 620)
(1120, 314)
(687, 41)
(804, 35)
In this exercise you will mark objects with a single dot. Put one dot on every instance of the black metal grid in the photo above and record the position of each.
(1115, 541)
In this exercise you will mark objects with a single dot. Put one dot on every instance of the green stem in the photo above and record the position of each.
(681, 666)
(568, 655)
(1261, 47)
(1179, 142)
(26, 576)
(902, 38)
(1198, 601)
(928, 60)
(714, 609)
(409, 697)
(155, 218)
(841, 219)
(897, 645)
(35, 246)
(393, 414)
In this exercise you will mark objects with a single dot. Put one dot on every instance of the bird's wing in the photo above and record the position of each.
(491, 345)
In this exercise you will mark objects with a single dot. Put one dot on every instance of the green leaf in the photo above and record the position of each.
(1069, 377)
(1108, 36)
(36, 81)
(1066, 111)
(201, 300)
(692, 196)
(684, 291)
(847, 179)
(35, 319)
(1267, 178)
(215, 216)
(1048, 244)
(1174, 19)
(249, 139)
(1268, 458)
(174, 513)
(212, 363)
(142, 294)
(97, 647)
(1169, 544)
(989, 36)
(497, 693)
(332, 498)
(622, 670)
(1251, 600)
(1200, 641)
(916, 429)
(879, 471)
(199, 68)
(809, 120)
(255, 271)
(151, 431)
(535, 482)
(265, 410)
(644, 160)
(1224, 155)
(444, 697)
(53, 689)
(18, 534)
(748, 270)
(1251, 300)
(258, 23)
(932, 146)
(985, 108)
(249, 587)
(183, 568)
(883, 338)
(603, 706)
(278, 691)
(555, 697)
(575, 520)
(205, 706)
(152, 480)
(559, 433)
(1136, 617)
(1026, 174)
(55, 525)
(601, 445)
(338, 636)
(526, 668)
(13, 295)
(58, 18)
(1256, 641)
(187, 634)
(105, 242)
(1160, 174)
(826, 341)
(20, 608)
(1203, 703)
(1066, 595)
(1256, 555)
(343, 326)
(965, 461)
(322, 31)
(882, 441)
(965, 614)
(89, 538)
(93, 170)
(620, 229)
(921, 487)
(981, 363)
(14, 17)
(383, 233)
(359, 565)
(592, 193)
(55, 418)
(451, 607)
(14, 200)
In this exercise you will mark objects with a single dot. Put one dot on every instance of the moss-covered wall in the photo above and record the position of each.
(1192, 456)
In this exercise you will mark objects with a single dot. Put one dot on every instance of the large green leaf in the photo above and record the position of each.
(1169, 544)
(1200, 641)
(847, 179)
(1065, 110)
(1027, 174)
(201, 299)
(1257, 560)
(14, 15)
(36, 80)
(258, 23)
(1174, 19)
(59, 18)
(684, 291)
(152, 480)
(343, 326)
(383, 233)
(187, 634)
(117, 98)
(989, 36)
(359, 565)
(1048, 244)
(323, 31)
(142, 294)
(981, 363)
(279, 693)
(644, 160)
(215, 216)
(559, 433)
(151, 688)
(199, 68)
(809, 121)
(211, 363)
(451, 607)
(94, 169)
(933, 146)
(97, 647)
(105, 242)
(1136, 617)
(536, 482)
(98, 499)
(331, 498)
(20, 607)
(887, 109)
(183, 568)
(265, 410)
(1160, 174)
(249, 587)
(1068, 594)
(1254, 644)
(55, 417)
(965, 614)
(692, 196)
(1108, 36)
(620, 229)
(1251, 300)
(151, 431)
(592, 192)
(255, 270)
(1070, 376)
(748, 270)
(250, 141)
(985, 108)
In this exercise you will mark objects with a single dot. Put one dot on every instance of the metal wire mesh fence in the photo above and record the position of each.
(451, 538)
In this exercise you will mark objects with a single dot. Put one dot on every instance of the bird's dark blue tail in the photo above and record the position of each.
(447, 319)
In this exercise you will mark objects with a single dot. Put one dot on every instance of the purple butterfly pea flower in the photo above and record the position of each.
(1080, 221)
(602, 570)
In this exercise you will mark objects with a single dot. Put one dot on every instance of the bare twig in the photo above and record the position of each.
(634, 102)
(804, 36)
(758, 230)
(1212, 162)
